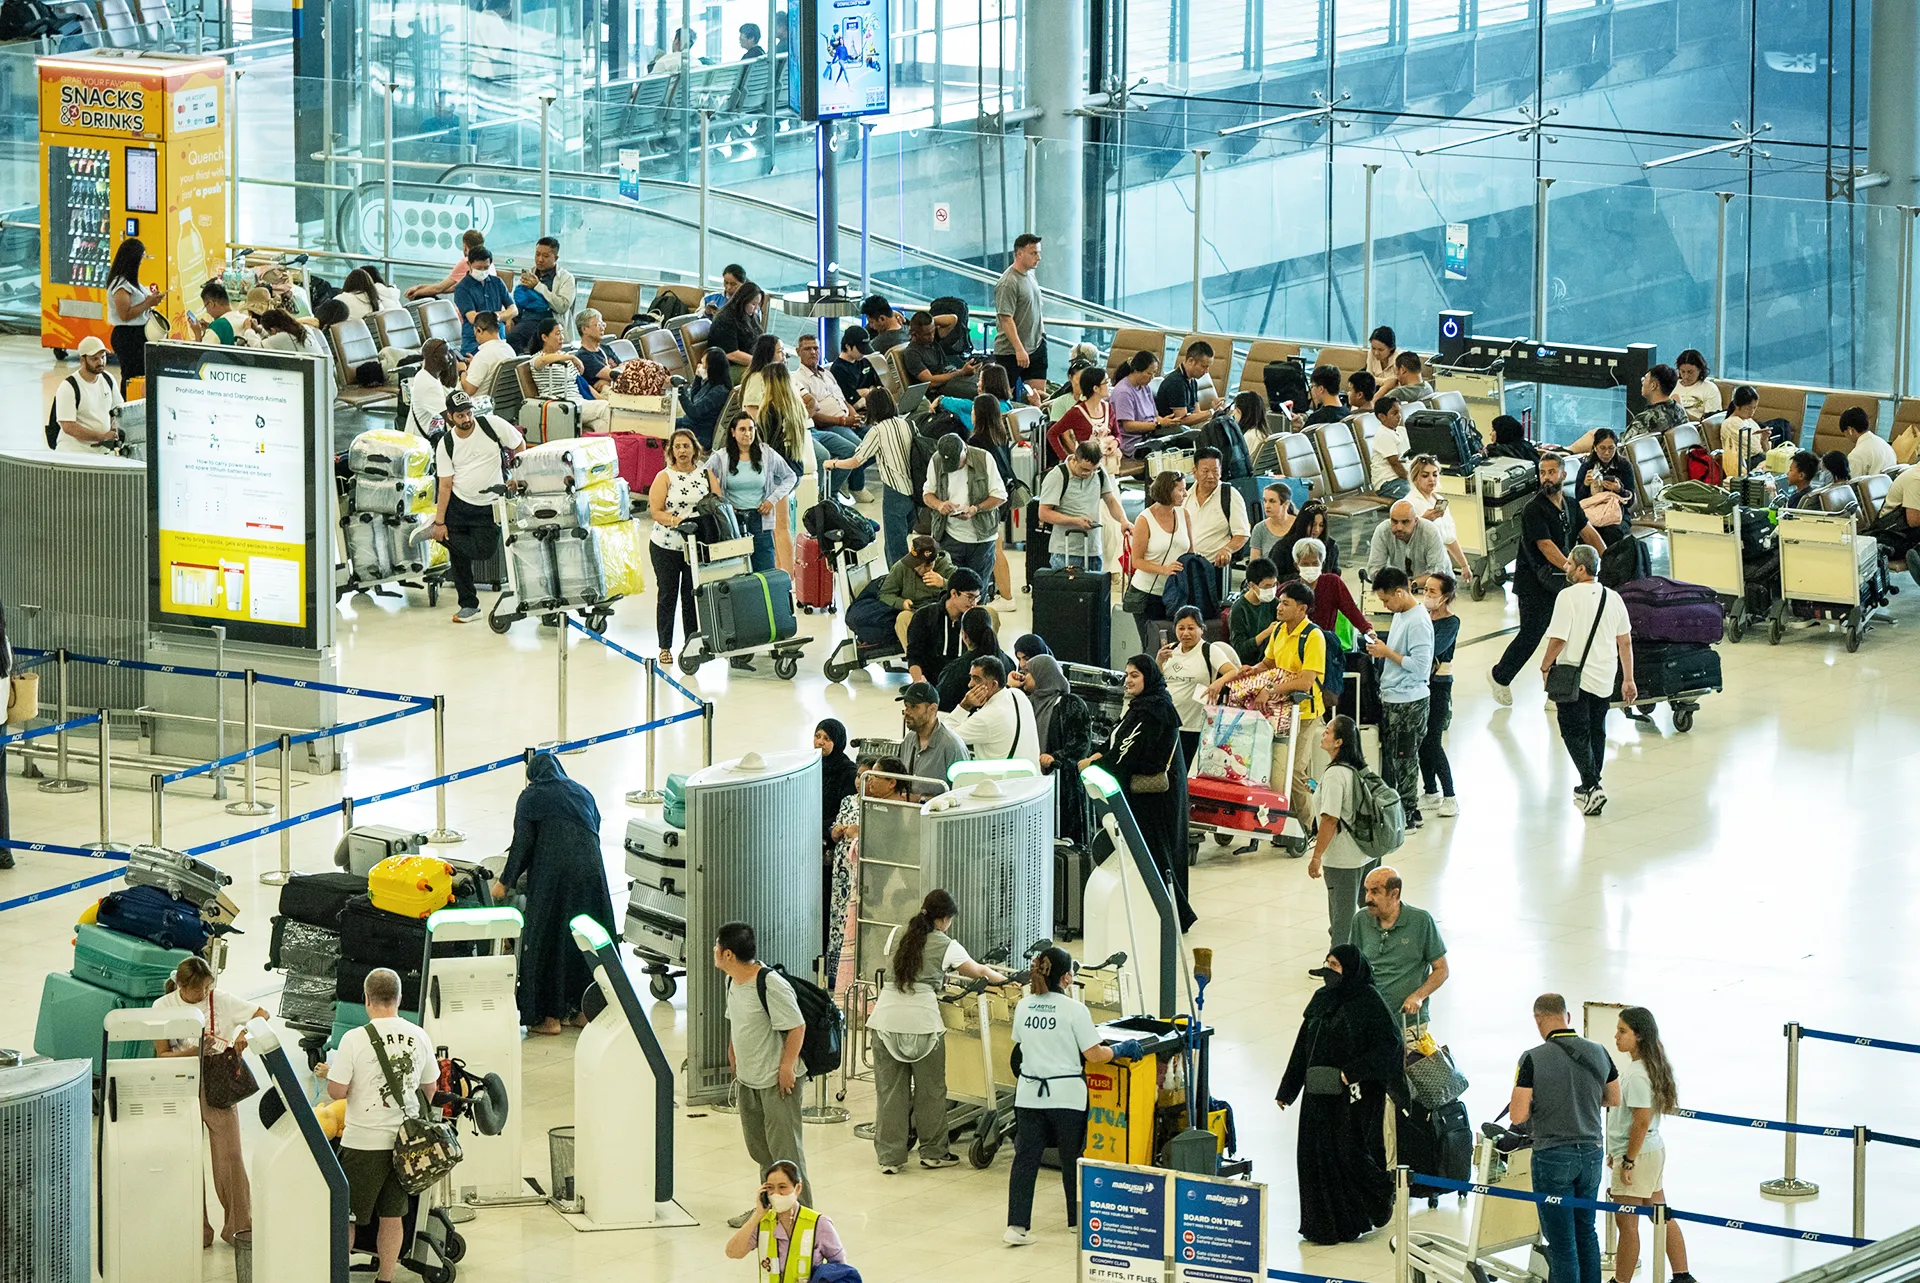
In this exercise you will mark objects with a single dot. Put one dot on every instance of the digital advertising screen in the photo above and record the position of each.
(847, 70)
(232, 484)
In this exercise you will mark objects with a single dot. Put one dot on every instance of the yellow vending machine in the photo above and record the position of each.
(132, 144)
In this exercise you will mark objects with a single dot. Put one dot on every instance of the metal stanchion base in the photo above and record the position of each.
(249, 808)
(824, 1114)
(1789, 1187)
(445, 837)
(276, 878)
(459, 1213)
(645, 797)
(63, 786)
(865, 1131)
(110, 846)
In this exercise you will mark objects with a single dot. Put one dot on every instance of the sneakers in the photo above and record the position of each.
(1580, 792)
(1429, 801)
(944, 1160)
(1596, 802)
(1503, 695)
(466, 614)
(1414, 822)
(891, 1169)
(1448, 808)
(863, 495)
(1016, 1236)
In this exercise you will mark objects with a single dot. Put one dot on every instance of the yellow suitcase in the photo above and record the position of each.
(411, 885)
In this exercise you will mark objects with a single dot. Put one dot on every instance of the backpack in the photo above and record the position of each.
(53, 411)
(665, 306)
(484, 423)
(1379, 823)
(1333, 682)
(839, 525)
(826, 1026)
(1223, 434)
(1702, 466)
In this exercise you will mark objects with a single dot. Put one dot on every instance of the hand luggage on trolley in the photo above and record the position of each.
(551, 567)
(1255, 801)
(856, 651)
(740, 612)
(657, 907)
(1678, 674)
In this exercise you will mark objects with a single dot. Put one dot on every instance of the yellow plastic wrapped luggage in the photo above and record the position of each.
(411, 885)
(384, 452)
(622, 554)
(608, 502)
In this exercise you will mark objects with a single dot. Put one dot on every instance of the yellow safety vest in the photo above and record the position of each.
(799, 1248)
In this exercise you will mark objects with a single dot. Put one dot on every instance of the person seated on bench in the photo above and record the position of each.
(933, 636)
(1510, 441)
(1410, 387)
(1606, 472)
(1134, 413)
(1898, 527)
(1803, 480)
(1867, 451)
(1178, 399)
(1387, 449)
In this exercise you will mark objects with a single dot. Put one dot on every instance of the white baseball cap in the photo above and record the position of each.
(90, 346)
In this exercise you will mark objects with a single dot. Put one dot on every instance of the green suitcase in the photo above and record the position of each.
(125, 964)
(72, 1015)
(675, 812)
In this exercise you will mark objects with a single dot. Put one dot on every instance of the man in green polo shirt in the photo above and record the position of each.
(1402, 944)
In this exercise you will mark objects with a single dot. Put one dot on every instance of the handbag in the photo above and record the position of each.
(1159, 782)
(23, 698)
(424, 1151)
(1563, 680)
(158, 327)
(224, 1075)
(1435, 1079)
(1325, 1080)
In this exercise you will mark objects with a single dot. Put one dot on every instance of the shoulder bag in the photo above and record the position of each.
(224, 1075)
(1563, 681)
(1160, 781)
(424, 1151)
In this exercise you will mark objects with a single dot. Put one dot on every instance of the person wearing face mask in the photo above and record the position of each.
(481, 291)
(779, 1233)
(1332, 599)
(1309, 523)
(1347, 1060)
(1250, 623)
(1053, 1042)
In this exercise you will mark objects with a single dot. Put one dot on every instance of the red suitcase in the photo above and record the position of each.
(640, 460)
(1246, 807)
(812, 575)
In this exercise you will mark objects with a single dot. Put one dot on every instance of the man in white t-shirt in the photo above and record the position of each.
(1218, 513)
(1867, 451)
(354, 1074)
(1585, 610)
(1898, 528)
(1387, 449)
(994, 720)
(84, 403)
(472, 460)
(492, 352)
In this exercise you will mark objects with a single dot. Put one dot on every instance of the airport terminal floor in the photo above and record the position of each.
(1754, 871)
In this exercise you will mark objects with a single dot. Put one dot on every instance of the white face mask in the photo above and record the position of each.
(1309, 573)
(479, 273)
(784, 1202)
(1256, 595)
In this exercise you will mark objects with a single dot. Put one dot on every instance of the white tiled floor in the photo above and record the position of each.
(1755, 871)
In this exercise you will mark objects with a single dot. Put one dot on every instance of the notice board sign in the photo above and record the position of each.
(1123, 1223)
(238, 497)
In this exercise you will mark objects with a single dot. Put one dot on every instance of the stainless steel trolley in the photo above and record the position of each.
(1828, 565)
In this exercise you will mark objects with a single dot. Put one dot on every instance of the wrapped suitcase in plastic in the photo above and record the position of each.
(579, 573)
(562, 510)
(370, 546)
(319, 899)
(746, 611)
(413, 552)
(366, 845)
(180, 876)
(622, 555)
(296, 946)
(394, 496)
(125, 964)
(530, 558)
(566, 465)
(386, 452)
(657, 909)
(306, 1002)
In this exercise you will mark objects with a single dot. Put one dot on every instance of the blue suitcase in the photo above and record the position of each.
(149, 913)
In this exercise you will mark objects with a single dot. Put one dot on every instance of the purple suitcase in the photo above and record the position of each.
(1667, 610)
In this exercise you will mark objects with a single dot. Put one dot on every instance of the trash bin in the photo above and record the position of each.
(560, 1158)
(243, 1257)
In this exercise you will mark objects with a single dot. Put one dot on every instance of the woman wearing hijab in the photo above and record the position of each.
(1143, 753)
(556, 860)
(1061, 718)
(1348, 1059)
(839, 779)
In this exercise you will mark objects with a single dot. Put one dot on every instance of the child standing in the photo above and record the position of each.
(1436, 772)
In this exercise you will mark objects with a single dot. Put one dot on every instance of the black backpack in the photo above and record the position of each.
(826, 1026)
(53, 411)
(1222, 432)
(666, 305)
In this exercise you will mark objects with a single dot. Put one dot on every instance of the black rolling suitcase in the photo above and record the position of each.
(1071, 867)
(1038, 555)
(350, 980)
(1073, 614)
(1451, 438)
(380, 939)
(319, 899)
(1436, 1142)
(1661, 669)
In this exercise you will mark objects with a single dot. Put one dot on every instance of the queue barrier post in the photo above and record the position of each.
(284, 874)
(1402, 1202)
(250, 804)
(1659, 1253)
(1790, 1185)
(1860, 1138)
(61, 782)
(706, 732)
(106, 842)
(650, 794)
(441, 835)
(346, 817)
(820, 1112)
(158, 784)
(220, 692)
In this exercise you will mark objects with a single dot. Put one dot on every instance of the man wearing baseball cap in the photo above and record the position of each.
(930, 748)
(83, 406)
(472, 456)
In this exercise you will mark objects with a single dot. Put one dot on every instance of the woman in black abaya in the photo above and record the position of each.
(1061, 718)
(1143, 753)
(1348, 1059)
(556, 861)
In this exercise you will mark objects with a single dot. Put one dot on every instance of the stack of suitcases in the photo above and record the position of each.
(391, 489)
(1675, 626)
(126, 949)
(571, 537)
(306, 945)
(386, 926)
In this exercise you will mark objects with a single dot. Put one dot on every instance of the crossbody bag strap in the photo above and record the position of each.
(1567, 1051)
(1599, 608)
(386, 1069)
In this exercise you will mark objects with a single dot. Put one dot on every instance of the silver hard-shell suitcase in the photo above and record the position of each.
(180, 876)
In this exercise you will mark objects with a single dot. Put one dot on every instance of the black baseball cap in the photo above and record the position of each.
(460, 401)
(918, 693)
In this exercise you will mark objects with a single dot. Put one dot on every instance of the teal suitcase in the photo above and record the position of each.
(351, 1015)
(676, 801)
(125, 964)
(72, 1016)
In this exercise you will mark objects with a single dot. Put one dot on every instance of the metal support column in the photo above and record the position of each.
(1540, 265)
(649, 795)
(1199, 213)
(1029, 182)
(1903, 355)
(61, 782)
(1720, 283)
(866, 206)
(560, 699)
(250, 803)
(826, 225)
(233, 152)
(281, 876)
(706, 120)
(546, 160)
(1790, 1185)
(939, 62)
(441, 835)
(1366, 258)
(1860, 1138)
(386, 218)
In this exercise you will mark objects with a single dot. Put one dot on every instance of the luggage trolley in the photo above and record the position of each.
(515, 603)
(1707, 548)
(1228, 809)
(710, 563)
(1829, 571)
(853, 654)
(1494, 1226)
(1485, 505)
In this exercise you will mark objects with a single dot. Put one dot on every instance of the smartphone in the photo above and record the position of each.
(763, 1201)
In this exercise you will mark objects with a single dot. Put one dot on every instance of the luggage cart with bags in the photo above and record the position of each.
(740, 612)
(1238, 782)
(1674, 627)
(386, 493)
(1829, 572)
(853, 652)
(571, 541)
(1495, 1226)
